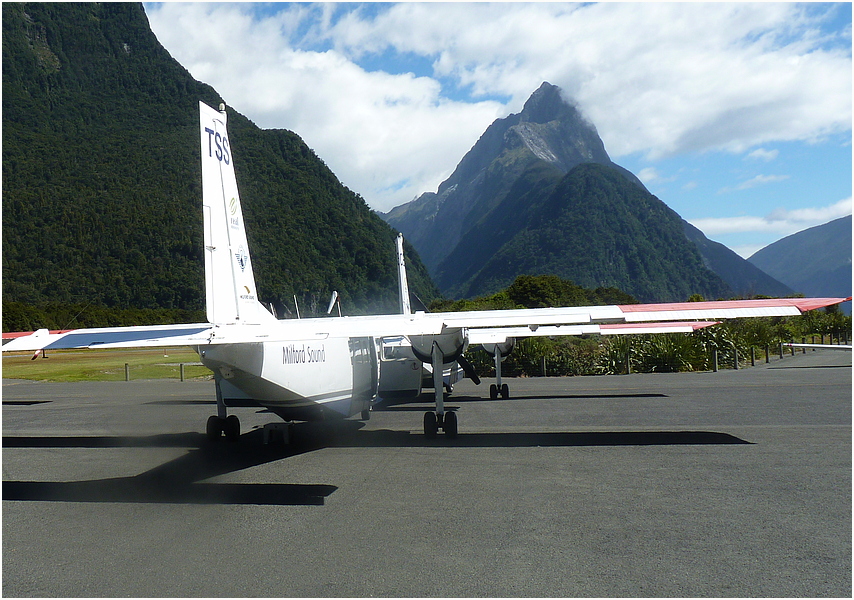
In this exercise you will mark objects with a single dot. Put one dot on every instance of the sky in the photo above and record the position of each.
(736, 115)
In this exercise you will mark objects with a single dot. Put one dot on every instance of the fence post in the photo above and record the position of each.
(127, 372)
(767, 354)
(752, 356)
(804, 341)
(715, 360)
(182, 371)
(628, 362)
(735, 356)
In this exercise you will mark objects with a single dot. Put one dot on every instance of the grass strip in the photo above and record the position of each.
(105, 365)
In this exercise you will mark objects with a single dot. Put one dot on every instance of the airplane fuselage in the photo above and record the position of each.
(314, 378)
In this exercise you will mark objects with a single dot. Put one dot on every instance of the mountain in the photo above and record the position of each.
(572, 231)
(101, 194)
(538, 194)
(548, 132)
(814, 262)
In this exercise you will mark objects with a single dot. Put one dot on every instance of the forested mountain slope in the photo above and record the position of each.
(598, 229)
(813, 262)
(101, 179)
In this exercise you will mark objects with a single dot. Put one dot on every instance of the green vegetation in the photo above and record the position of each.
(105, 365)
(537, 291)
(18, 316)
(101, 192)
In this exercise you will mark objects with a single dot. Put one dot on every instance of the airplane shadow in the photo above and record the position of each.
(417, 404)
(383, 438)
(182, 481)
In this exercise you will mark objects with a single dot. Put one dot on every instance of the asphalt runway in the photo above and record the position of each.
(735, 483)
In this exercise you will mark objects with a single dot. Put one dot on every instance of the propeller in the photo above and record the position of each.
(332, 303)
(468, 369)
(417, 304)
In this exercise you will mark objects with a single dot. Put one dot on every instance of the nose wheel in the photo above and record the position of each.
(433, 422)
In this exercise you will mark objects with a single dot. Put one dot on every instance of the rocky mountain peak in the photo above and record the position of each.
(546, 104)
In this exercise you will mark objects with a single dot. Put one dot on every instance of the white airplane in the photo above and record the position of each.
(320, 368)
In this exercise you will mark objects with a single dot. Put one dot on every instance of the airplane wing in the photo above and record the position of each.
(476, 326)
(820, 346)
(497, 335)
(113, 337)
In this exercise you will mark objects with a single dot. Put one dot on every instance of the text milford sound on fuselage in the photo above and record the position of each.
(292, 355)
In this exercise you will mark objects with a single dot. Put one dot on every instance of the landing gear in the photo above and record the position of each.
(450, 424)
(217, 426)
(220, 424)
(498, 388)
(214, 427)
(433, 422)
(502, 390)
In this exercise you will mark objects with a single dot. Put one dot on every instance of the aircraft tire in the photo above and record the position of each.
(231, 428)
(431, 426)
(214, 428)
(366, 415)
(493, 391)
(450, 425)
(505, 391)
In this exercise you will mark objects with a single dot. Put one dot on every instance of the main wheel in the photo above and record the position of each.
(450, 424)
(431, 427)
(231, 428)
(505, 391)
(214, 428)
(493, 391)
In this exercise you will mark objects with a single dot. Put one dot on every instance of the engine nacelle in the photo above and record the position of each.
(504, 348)
(451, 344)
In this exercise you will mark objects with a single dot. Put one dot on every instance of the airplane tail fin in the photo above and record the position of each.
(231, 295)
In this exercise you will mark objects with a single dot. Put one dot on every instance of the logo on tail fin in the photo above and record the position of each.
(242, 258)
(234, 219)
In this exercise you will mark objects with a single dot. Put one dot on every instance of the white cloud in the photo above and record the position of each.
(754, 182)
(388, 137)
(764, 155)
(658, 79)
(781, 221)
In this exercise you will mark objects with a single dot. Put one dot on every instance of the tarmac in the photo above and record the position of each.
(736, 483)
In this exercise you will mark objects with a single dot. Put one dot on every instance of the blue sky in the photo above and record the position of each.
(737, 115)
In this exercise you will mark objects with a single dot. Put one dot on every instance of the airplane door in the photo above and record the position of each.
(363, 357)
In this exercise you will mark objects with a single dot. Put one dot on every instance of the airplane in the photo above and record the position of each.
(330, 368)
